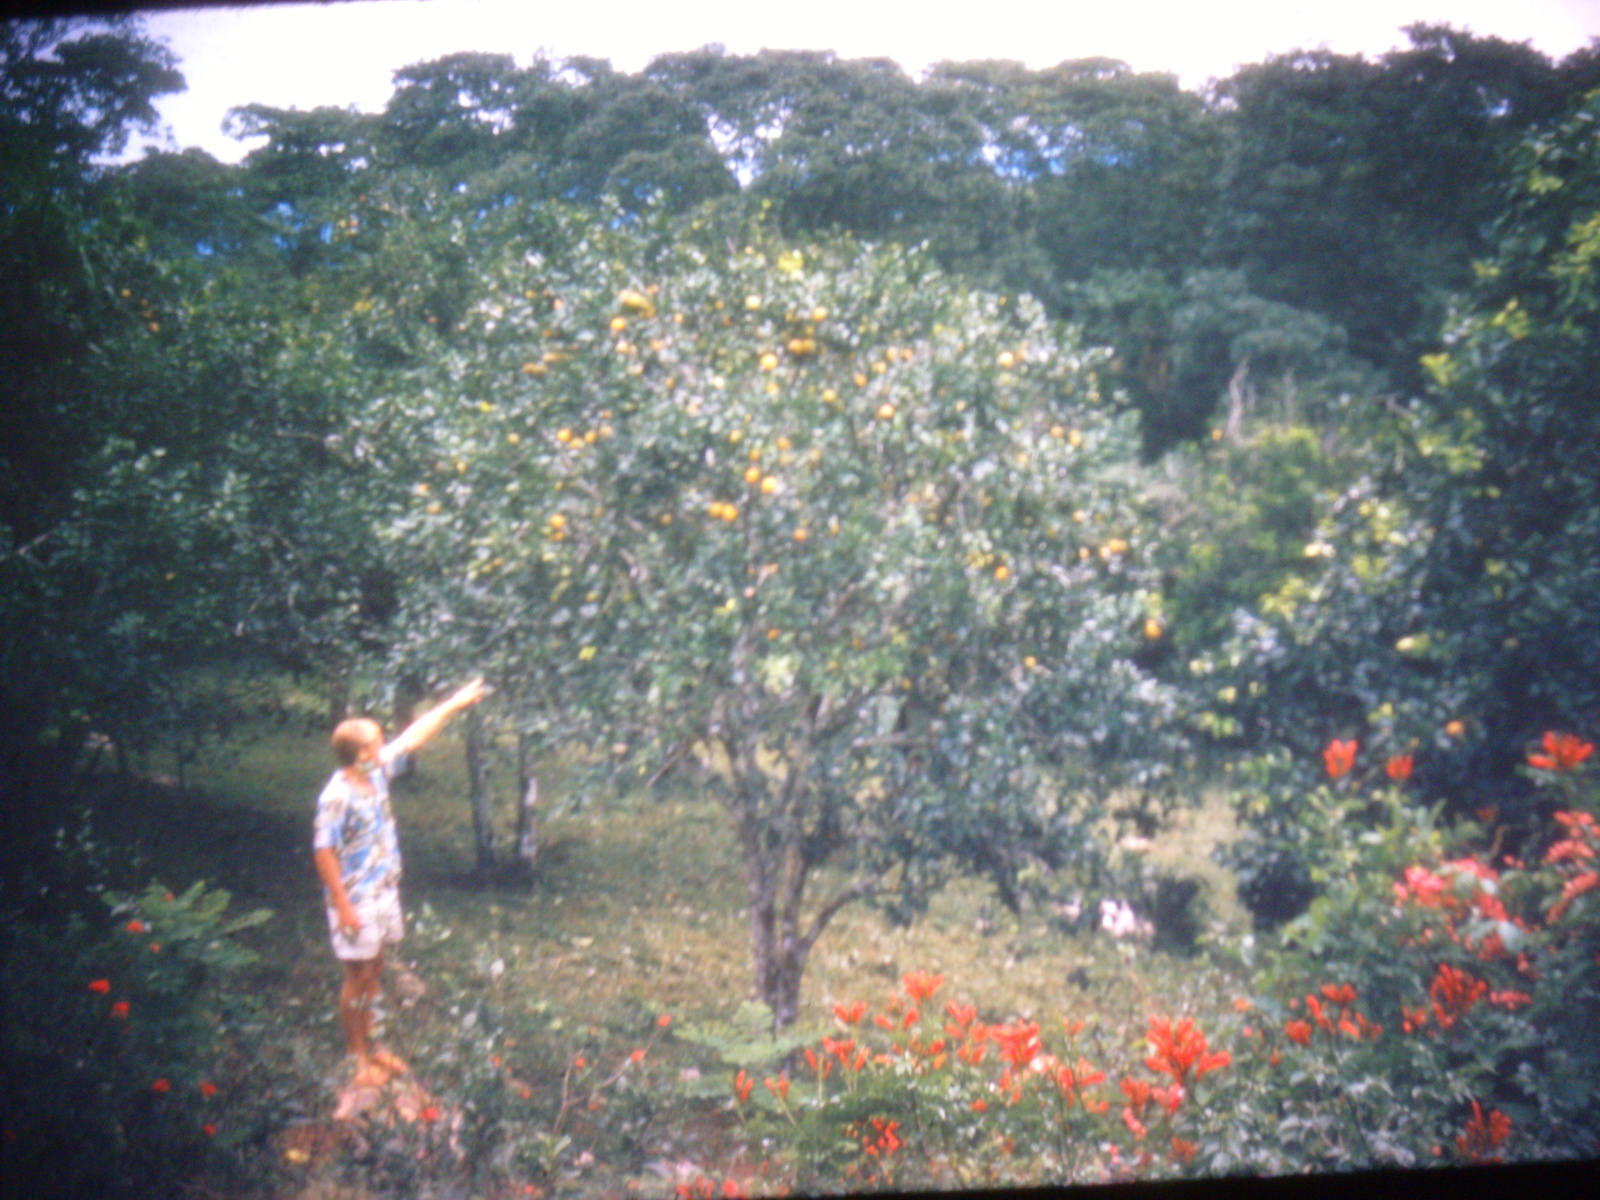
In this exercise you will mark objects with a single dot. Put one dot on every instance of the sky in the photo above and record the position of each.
(344, 54)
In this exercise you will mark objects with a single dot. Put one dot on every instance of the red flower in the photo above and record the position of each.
(119, 1010)
(1019, 1044)
(429, 1114)
(101, 986)
(1180, 1048)
(136, 926)
(1339, 757)
(742, 1084)
(1182, 1151)
(1135, 1126)
(1137, 1091)
(1575, 887)
(1483, 1135)
(1342, 994)
(1563, 752)
(161, 1087)
(962, 1015)
(980, 1106)
(1298, 1032)
(1510, 999)
(778, 1087)
(637, 1056)
(1454, 993)
(208, 1129)
(850, 1014)
(921, 986)
(663, 1020)
(208, 1089)
(1169, 1097)
(1398, 768)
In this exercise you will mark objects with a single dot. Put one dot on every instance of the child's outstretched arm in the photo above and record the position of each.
(421, 731)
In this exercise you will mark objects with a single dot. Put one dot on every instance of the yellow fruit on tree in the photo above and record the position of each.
(557, 521)
(819, 314)
(563, 436)
(753, 475)
(1030, 662)
(1117, 546)
(769, 361)
(1455, 728)
(618, 324)
(1006, 359)
(859, 379)
(735, 436)
(829, 396)
(886, 412)
(800, 534)
(1002, 572)
(1152, 629)
(769, 485)
(1057, 431)
(752, 302)
(1074, 439)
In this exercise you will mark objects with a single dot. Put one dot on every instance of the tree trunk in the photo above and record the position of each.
(527, 811)
(478, 749)
(338, 697)
(406, 694)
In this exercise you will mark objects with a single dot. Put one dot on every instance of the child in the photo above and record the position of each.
(357, 854)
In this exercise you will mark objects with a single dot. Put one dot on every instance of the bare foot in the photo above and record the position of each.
(371, 1074)
(388, 1062)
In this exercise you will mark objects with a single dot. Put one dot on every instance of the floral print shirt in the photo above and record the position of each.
(359, 827)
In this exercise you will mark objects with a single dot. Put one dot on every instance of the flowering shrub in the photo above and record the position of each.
(110, 1042)
(1435, 1004)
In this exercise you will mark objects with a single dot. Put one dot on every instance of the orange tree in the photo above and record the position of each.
(858, 546)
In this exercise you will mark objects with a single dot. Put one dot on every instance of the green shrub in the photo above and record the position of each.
(110, 1040)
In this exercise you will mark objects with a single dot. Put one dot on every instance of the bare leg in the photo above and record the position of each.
(355, 1015)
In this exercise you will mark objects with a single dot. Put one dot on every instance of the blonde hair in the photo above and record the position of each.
(349, 736)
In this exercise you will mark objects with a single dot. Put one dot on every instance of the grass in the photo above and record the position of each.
(636, 909)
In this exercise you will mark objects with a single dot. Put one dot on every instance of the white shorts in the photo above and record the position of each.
(381, 925)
